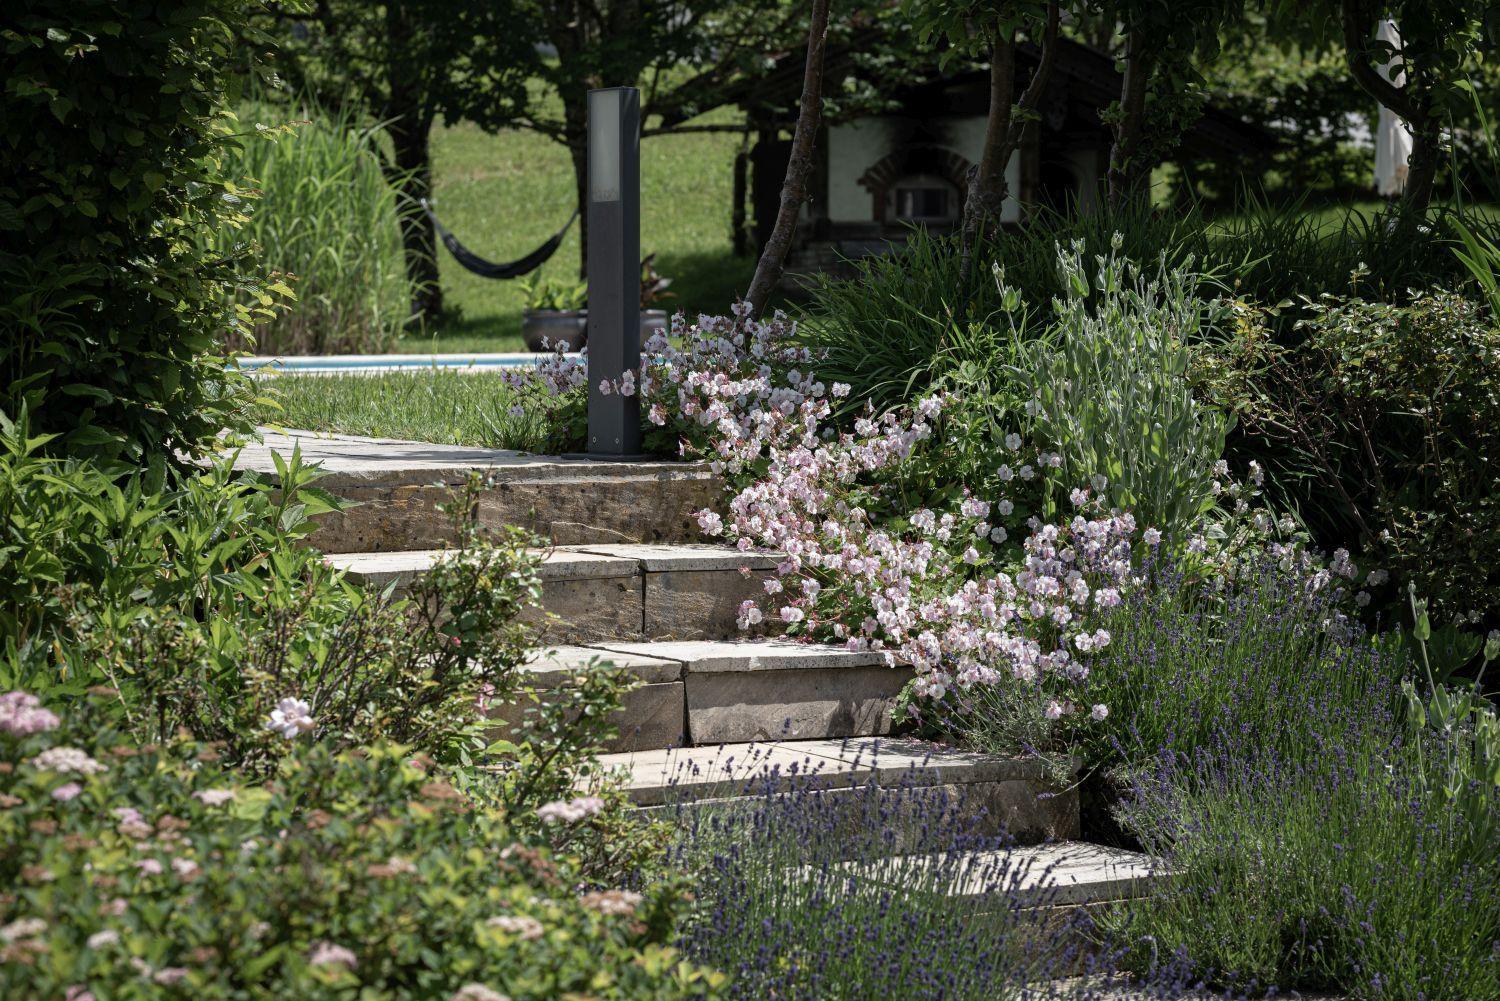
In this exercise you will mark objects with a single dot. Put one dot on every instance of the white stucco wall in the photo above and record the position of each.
(854, 147)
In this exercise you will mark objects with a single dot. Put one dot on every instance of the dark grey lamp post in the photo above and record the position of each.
(614, 259)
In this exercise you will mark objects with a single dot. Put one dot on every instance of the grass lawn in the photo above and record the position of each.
(504, 194)
(439, 406)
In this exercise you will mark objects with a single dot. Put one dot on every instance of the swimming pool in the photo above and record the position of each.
(373, 364)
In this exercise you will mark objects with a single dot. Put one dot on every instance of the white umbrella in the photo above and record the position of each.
(1392, 139)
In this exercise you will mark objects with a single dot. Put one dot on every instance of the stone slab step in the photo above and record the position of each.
(652, 715)
(741, 691)
(1055, 874)
(397, 486)
(727, 691)
(866, 779)
(611, 591)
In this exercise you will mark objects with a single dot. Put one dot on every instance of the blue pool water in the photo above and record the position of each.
(371, 364)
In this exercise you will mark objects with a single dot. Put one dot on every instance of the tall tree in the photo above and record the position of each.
(768, 269)
(1440, 42)
(993, 30)
(1161, 89)
(409, 63)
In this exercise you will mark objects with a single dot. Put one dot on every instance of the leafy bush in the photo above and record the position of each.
(325, 215)
(110, 176)
(79, 538)
(198, 603)
(1113, 398)
(893, 329)
(1380, 425)
(151, 871)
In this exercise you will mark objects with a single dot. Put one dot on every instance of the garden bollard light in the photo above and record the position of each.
(614, 256)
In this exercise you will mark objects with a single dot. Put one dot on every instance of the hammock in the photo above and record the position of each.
(489, 269)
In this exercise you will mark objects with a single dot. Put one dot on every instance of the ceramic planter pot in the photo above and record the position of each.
(653, 320)
(554, 327)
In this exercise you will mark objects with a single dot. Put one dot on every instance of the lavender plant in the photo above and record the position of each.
(1335, 868)
(865, 892)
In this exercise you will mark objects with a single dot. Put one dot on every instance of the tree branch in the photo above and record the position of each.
(1356, 19)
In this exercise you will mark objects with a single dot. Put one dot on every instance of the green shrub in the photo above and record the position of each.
(1381, 425)
(1113, 397)
(199, 604)
(79, 535)
(151, 871)
(325, 215)
(111, 173)
(889, 330)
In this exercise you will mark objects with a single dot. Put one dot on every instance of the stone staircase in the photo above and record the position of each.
(719, 720)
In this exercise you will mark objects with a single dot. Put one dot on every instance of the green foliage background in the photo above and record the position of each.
(110, 168)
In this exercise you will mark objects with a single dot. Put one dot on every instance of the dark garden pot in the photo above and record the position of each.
(554, 327)
(653, 320)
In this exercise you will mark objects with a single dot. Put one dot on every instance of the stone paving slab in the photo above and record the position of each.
(553, 665)
(701, 604)
(810, 702)
(658, 777)
(395, 460)
(662, 557)
(379, 569)
(888, 758)
(397, 490)
(735, 656)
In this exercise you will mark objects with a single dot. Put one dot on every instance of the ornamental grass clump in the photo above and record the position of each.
(326, 215)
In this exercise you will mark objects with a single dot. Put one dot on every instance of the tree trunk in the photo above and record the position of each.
(1002, 134)
(1422, 167)
(987, 187)
(739, 236)
(794, 189)
(1126, 171)
(410, 134)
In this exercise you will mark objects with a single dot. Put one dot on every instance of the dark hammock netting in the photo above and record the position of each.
(490, 269)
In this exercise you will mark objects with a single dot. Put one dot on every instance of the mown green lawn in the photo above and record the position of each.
(503, 195)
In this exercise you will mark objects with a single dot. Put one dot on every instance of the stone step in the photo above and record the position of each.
(714, 692)
(741, 691)
(652, 715)
(858, 781)
(604, 591)
(398, 485)
(1053, 874)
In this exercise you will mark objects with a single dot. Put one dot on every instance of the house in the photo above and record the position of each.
(877, 175)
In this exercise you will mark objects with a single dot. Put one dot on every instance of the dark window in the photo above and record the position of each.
(922, 203)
